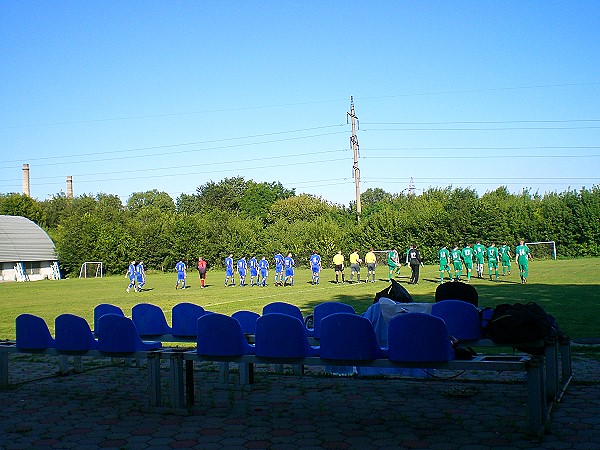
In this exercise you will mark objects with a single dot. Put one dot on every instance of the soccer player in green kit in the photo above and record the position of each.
(505, 258)
(492, 256)
(393, 263)
(479, 251)
(444, 257)
(456, 256)
(522, 258)
(467, 256)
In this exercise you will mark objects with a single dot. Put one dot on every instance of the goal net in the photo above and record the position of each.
(91, 269)
(382, 257)
(542, 250)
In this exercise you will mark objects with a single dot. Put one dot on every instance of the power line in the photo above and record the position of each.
(482, 122)
(483, 129)
(294, 104)
(481, 157)
(489, 178)
(473, 91)
(546, 147)
(218, 163)
(181, 174)
(138, 149)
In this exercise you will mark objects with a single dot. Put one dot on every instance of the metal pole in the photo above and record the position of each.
(355, 151)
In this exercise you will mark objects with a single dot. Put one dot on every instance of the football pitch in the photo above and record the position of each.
(567, 289)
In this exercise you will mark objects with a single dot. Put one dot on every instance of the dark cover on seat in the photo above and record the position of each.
(457, 291)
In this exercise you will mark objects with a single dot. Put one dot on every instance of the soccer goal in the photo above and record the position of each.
(91, 269)
(542, 250)
(382, 257)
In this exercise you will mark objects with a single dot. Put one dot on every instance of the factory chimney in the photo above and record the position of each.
(69, 186)
(26, 189)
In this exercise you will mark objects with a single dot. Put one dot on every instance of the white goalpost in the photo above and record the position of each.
(542, 249)
(91, 269)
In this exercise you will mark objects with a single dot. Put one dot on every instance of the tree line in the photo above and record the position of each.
(244, 217)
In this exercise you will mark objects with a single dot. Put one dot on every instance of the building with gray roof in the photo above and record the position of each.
(26, 251)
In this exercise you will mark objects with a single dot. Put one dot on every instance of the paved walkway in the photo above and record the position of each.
(106, 407)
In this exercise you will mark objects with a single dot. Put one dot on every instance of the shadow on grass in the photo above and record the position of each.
(575, 307)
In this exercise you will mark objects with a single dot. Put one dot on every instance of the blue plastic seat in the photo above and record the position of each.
(221, 335)
(326, 309)
(461, 318)
(346, 336)
(149, 320)
(32, 333)
(118, 334)
(283, 308)
(184, 318)
(102, 309)
(419, 337)
(282, 336)
(73, 334)
(247, 320)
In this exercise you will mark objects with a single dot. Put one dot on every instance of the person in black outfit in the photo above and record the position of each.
(413, 258)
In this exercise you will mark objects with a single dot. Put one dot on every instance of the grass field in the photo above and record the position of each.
(568, 289)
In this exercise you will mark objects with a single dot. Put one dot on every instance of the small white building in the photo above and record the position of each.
(26, 251)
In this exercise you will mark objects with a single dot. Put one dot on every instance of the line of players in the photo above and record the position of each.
(258, 270)
(476, 256)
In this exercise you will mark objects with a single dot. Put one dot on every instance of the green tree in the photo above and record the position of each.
(21, 205)
(160, 200)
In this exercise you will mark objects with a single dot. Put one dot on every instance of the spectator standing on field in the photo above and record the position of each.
(355, 266)
(202, 265)
(140, 275)
(505, 257)
(444, 258)
(338, 266)
(229, 270)
(131, 273)
(523, 255)
(479, 251)
(456, 256)
(315, 267)
(416, 262)
(371, 262)
(180, 268)
(467, 256)
(493, 256)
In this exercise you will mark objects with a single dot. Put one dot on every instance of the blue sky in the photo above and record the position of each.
(129, 96)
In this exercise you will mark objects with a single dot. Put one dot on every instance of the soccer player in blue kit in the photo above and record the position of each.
(180, 268)
(131, 271)
(253, 265)
(315, 265)
(278, 269)
(263, 266)
(288, 262)
(229, 270)
(141, 275)
(242, 266)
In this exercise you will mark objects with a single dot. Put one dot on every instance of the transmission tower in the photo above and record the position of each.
(411, 187)
(356, 154)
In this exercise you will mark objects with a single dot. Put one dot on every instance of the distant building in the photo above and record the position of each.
(26, 251)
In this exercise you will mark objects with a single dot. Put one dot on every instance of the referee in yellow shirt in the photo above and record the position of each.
(355, 266)
(338, 265)
(371, 262)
